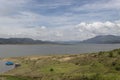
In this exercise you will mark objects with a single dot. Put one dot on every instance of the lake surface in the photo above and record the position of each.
(28, 50)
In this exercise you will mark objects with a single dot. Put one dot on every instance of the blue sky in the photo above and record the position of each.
(59, 19)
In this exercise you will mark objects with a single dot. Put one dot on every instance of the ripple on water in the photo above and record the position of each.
(5, 68)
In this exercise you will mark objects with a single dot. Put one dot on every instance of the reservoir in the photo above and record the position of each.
(29, 50)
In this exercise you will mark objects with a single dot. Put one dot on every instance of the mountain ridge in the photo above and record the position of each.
(103, 39)
(23, 41)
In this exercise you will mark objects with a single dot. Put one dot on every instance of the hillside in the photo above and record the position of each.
(103, 39)
(23, 41)
(92, 66)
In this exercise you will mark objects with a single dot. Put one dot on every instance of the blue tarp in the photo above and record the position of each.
(9, 63)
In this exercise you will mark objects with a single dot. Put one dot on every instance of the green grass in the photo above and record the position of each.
(93, 66)
(9, 77)
(59, 68)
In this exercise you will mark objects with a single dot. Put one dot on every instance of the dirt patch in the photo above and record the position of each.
(65, 59)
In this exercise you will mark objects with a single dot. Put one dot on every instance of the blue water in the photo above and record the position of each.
(28, 50)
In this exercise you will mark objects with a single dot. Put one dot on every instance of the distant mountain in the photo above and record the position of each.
(23, 41)
(68, 42)
(103, 39)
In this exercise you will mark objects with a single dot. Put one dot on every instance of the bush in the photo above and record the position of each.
(97, 77)
(110, 54)
(100, 53)
(114, 63)
(51, 70)
(84, 78)
(119, 52)
(117, 68)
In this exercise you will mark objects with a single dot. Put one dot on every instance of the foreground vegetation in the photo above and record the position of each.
(93, 66)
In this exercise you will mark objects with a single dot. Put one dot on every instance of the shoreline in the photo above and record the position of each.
(56, 55)
(50, 55)
(103, 65)
(4, 68)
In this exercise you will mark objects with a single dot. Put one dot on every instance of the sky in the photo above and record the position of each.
(59, 20)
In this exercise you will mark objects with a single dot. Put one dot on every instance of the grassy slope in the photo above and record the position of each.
(93, 66)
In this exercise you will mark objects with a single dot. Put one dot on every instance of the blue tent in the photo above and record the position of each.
(9, 63)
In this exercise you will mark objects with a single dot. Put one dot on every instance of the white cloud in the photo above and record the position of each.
(56, 4)
(11, 7)
(17, 21)
(99, 28)
(78, 32)
(100, 5)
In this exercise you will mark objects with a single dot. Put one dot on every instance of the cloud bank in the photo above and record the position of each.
(59, 20)
(77, 32)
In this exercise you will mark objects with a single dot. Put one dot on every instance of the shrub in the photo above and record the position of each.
(51, 70)
(117, 68)
(110, 54)
(97, 77)
(100, 53)
(84, 78)
(119, 52)
(114, 63)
